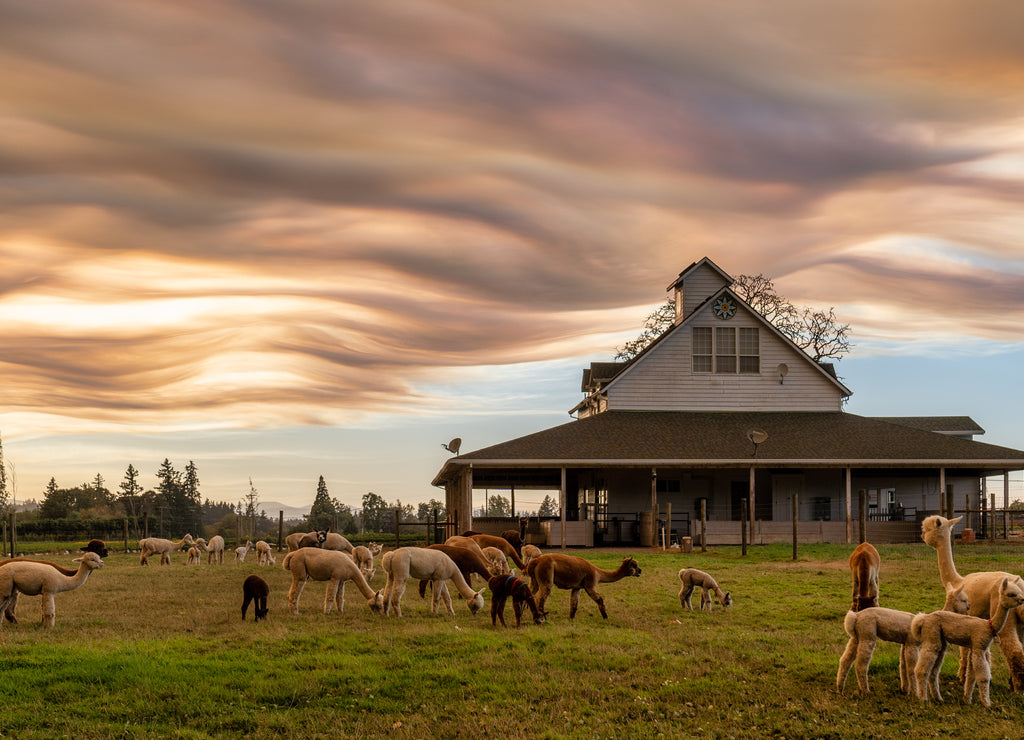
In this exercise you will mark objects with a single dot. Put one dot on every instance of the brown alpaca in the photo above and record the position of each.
(256, 590)
(513, 538)
(467, 561)
(489, 540)
(504, 586)
(864, 562)
(982, 589)
(468, 543)
(97, 546)
(573, 573)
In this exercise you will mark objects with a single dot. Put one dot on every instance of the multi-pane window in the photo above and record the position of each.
(726, 350)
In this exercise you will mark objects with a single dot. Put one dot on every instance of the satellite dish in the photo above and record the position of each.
(757, 436)
(453, 446)
(783, 369)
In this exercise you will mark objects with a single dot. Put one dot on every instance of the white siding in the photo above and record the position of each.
(704, 282)
(664, 380)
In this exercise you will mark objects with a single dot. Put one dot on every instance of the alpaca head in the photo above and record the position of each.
(321, 537)
(726, 600)
(97, 546)
(91, 560)
(936, 530)
(1011, 594)
(377, 603)
(956, 600)
(630, 567)
(477, 602)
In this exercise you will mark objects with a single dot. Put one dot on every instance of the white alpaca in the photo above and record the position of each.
(530, 552)
(35, 579)
(867, 626)
(193, 556)
(264, 554)
(363, 557)
(498, 561)
(425, 564)
(214, 549)
(163, 548)
(692, 578)
(241, 552)
(332, 566)
(936, 630)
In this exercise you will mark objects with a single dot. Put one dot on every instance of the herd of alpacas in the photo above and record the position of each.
(977, 609)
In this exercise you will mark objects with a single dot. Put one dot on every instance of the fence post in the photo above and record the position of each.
(126, 534)
(703, 526)
(993, 510)
(398, 540)
(14, 533)
(796, 513)
(280, 528)
(743, 524)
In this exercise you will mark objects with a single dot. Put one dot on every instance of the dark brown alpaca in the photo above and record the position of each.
(575, 574)
(467, 561)
(255, 589)
(504, 586)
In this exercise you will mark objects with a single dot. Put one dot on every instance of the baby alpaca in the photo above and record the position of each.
(264, 554)
(241, 552)
(504, 586)
(193, 556)
(937, 630)
(529, 553)
(692, 578)
(864, 564)
(498, 561)
(256, 590)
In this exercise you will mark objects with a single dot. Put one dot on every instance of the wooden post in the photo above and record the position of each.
(849, 521)
(280, 529)
(743, 524)
(796, 512)
(668, 526)
(703, 525)
(398, 541)
(751, 501)
(561, 506)
(14, 533)
(862, 496)
(992, 509)
(126, 534)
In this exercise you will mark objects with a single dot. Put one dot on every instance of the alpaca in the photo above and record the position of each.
(514, 538)
(214, 549)
(468, 543)
(256, 590)
(529, 553)
(334, 541)
(193, 556)
(489, 540)
(332, 566)
(466, 560)
(97, 546)
(508, 585)
(35, 579)
(867, 626)
(8, 613)
(498, 561)
(425, 563)
(982, 589)
(305, 539)
(241, 552)
(159, 546)
(574, 573)
(864, 563)
(692, 578)
(264, 554)
(364, 559)
(934, 631)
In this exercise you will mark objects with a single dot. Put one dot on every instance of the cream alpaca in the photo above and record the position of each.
(867, 626)
(934, 631)
(163, 548)
(692, 578)
(529, 553)
(214, 550)
(422, 563)
(363, 557)
(264, 554)
(982, 589)
(241, 552)
(498, 561)
(332, 566)
(43, 579)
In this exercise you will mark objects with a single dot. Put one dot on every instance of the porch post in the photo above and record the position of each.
(751, 503)
(942, 494)
(466, 500)
(654, 489)
(1006, 489)
(561, 506)
(849, 498)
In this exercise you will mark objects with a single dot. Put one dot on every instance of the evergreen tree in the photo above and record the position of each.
(377, 516)
(548, 507)
(321, 514)
(57, 502)
(131, 496)
(426, 511)
(5, 495)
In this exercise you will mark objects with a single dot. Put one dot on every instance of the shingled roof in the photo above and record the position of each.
(719, 439)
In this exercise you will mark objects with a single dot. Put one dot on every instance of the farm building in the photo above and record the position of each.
(721, 412)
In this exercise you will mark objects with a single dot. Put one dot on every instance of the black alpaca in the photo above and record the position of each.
(255, 589)
(504, 586)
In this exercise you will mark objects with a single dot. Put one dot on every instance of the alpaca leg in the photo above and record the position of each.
(845, 664)
(517, 608)
(684, 596)
(927, 657)
(446, 595)
(864, 652)
(497, 610)
(49, 610)
(599, 600)
(1010, 638)
(574, 602)
(389, 587)
(908, 659)
(396, 597)
(542, 598)
(294, 593)
(330, 595)
(705, 600)
(245, 604)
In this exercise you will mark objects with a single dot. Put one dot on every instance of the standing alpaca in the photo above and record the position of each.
(692, 578)
(468, 543)
(35, 579)
(193, 556)
(364, 559)
(571, 572)
(163, 548)
(264, 554)
(466, 560)
(214, 550)
(241, 552)
(12, 604)
(334, 541)
(508, 585)
(529, 553)
(305, 539)
(332, 566)
(982, 589)
(867, 626)
(498, 560)
(864, 563)
(424, 563)
(255, 589)
(934, 631)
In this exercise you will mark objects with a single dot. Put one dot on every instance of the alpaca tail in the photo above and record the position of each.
(850, 622)
(287, 558)
(915, 628)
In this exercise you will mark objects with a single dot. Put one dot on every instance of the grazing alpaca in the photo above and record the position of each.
(34, 579)
(504, 586)
(332, 566)
(159, 546)
(425, 563)
(936, 630)
(214, 549)
(241, 552)
(255, 589)
(264, 554)
(513, 538)
(489, 540)
(466, 560)
(305, 539)
(364, 559)
(97, 546)
(864, 563)
(334, 541)
(529, 553)
(982, 589)
(574, 573)
(193, 556)
(469, 544)
(691, 578)
(498, 560)
(867, 626)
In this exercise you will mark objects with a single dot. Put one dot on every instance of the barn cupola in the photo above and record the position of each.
(695, 285)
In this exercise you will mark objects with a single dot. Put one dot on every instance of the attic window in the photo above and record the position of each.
(717, 350)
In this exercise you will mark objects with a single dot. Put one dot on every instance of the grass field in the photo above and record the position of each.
(162, 652)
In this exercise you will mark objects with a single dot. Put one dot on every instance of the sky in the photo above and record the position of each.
(292, 239)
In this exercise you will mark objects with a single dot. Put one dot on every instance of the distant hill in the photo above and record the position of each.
(290, 512)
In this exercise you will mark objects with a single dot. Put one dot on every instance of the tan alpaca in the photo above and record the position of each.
(43, 579)
(691, 578)
(982, 589)
(332, 566)
(163, 548)
(934, 631)
(529, 553)
(867, 626)
(423, 563)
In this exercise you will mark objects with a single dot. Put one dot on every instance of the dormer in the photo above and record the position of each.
(695, 285)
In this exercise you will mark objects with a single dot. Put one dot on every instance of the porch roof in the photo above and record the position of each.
(719, 439)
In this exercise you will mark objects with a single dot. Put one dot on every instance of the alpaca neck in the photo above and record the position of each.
(73, 582)
(363, 586)
(463, 587)
(998, 619)
(610, 576)
(947, 570)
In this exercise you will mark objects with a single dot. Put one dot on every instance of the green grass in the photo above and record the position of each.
(162, 652)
